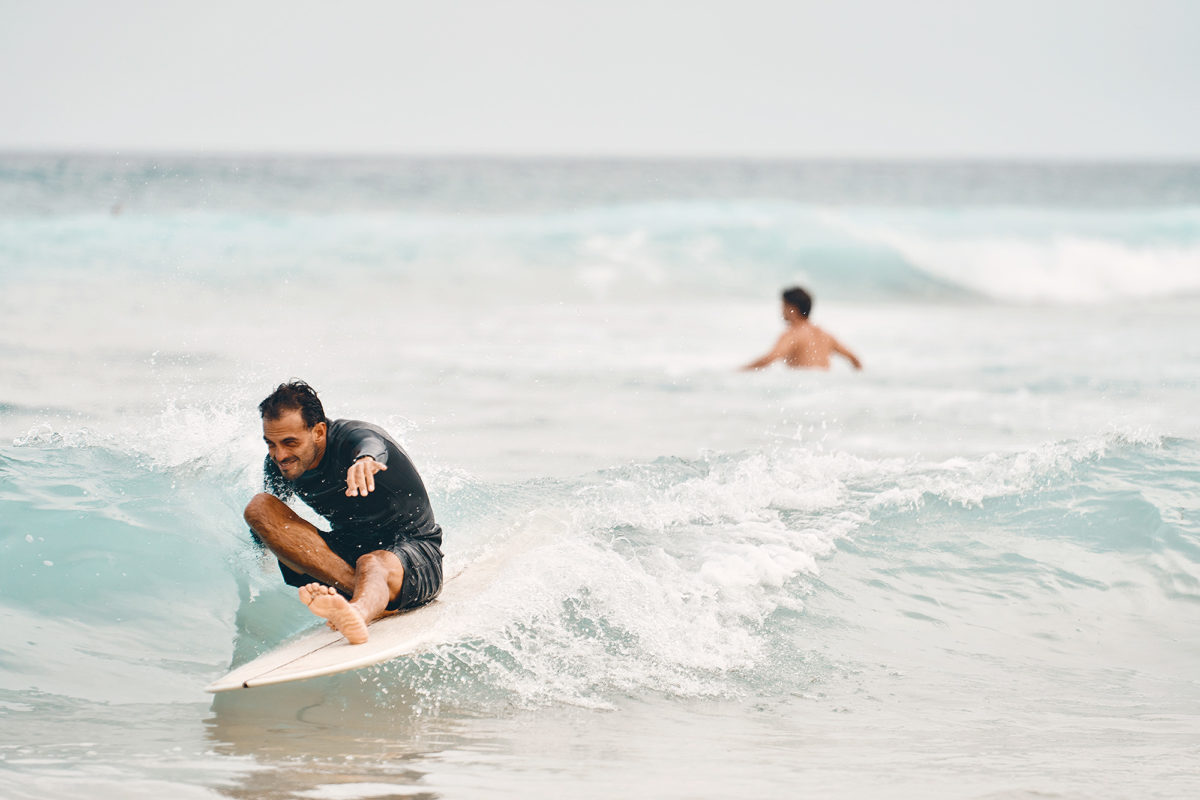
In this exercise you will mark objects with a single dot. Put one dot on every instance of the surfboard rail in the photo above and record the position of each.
(321, 651)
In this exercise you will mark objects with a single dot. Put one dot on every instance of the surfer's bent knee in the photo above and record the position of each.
(392, 565)
(395, 562)
(258, 509)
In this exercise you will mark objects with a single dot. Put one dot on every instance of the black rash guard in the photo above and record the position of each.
(396, 516)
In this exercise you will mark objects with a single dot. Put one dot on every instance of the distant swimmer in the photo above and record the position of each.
(383, 550)
(803, 344)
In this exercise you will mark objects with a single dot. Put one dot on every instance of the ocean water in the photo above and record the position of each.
(971, 570)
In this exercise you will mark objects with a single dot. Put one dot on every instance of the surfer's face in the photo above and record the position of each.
(293, 446)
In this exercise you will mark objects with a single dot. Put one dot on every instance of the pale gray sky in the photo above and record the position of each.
(873, 78)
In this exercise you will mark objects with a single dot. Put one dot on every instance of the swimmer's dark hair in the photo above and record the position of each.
(293, 396)
(798, 299)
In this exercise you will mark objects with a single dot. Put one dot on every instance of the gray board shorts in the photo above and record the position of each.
(422, 562)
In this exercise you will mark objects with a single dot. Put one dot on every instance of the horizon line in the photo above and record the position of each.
(583, 156)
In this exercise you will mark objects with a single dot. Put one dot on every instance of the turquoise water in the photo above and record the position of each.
(971, 570)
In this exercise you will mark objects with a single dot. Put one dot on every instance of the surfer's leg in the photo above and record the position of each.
(378, 578)
(377, 581)
(296, 542)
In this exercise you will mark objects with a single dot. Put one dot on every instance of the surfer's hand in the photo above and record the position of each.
(360, 478)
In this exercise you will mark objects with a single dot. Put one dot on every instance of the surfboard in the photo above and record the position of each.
(325, 652)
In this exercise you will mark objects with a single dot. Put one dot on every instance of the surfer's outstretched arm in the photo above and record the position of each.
(360, 478)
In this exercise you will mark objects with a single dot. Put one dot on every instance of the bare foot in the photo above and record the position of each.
(324, 601)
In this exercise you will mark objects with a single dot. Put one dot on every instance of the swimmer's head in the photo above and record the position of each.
(293, 396)
(798, 299)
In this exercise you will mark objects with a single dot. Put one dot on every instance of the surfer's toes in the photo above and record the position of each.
(308, 592)
(315, 591)
(324, 601)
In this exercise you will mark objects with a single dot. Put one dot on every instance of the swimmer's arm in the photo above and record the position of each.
(842, 351)
(758, 363)
(780, 350)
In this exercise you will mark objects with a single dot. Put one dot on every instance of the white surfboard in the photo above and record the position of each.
(325, 652)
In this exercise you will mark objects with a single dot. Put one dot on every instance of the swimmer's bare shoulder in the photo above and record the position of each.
(802, 344)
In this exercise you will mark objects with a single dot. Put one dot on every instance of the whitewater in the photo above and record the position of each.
(970, 570)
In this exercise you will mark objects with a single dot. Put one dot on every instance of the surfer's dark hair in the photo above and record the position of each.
(294, 396)
(798, 299)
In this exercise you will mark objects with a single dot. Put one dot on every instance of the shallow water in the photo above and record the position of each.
(971, 570)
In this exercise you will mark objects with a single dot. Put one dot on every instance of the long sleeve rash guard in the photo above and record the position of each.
(397, 510)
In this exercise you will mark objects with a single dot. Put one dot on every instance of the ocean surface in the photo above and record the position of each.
(971, 570)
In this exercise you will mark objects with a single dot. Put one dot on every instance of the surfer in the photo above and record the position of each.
(383, 551)
(803, 344)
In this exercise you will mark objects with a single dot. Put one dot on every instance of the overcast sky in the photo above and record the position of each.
(870, 78)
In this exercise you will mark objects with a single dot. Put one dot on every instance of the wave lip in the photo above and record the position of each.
(1067, 270)
(1052, 257)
